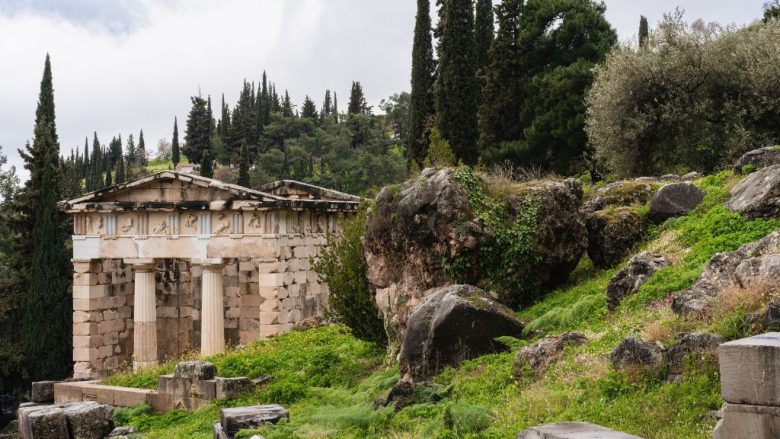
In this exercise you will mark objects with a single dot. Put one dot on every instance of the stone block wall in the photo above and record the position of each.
(102, 316)
(175, 305)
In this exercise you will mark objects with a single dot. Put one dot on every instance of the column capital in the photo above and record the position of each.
(140, 264)
(212, 263)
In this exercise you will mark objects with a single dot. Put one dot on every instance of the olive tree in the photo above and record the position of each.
(695, 97)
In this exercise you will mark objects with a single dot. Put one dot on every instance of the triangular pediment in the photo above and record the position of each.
(171, 187)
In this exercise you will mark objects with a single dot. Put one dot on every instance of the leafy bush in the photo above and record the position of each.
(652, 110)
(344, 269)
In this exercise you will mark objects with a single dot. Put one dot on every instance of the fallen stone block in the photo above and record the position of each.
(195, 370)
(742, 421)
(89, 420)
(43, 392)
(82, 420)
(748, 370)
(43, 423)
(232, 387)
(121, 431)
(173, 385)
(218, 432)
(239, 418)
(573, 430)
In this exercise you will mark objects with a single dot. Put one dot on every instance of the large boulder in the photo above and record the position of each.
(628, 280)
(759, 158)
(612, 234)
(537, 357)
(674, 200)
(453, 324)
(416, 227)
(622, 193)
(754, 263)
(633, 355)
(692, 349)
(758, 195)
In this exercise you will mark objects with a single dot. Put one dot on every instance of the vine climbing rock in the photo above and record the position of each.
(453, 324)
(758, 195)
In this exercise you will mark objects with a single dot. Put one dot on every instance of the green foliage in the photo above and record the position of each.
(456, 88)
(175, 155)
(440, 152)
(197, 134)
(507, 264)
(652, 111)
(749, 169)
(123, 415)
(344, 269)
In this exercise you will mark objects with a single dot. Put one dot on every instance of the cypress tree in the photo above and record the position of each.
(423, 68)
(644, 32)
(97, 164)
(196, 134)
(335, 108)
(120, 170)
(357, 100)
(243, 167)
(503, 91)
(483, 32)
(327, 105)
(457, 92)
(224, 132)
(175, 143)
(109, 177)
(287, 109)
(206, 165)
(85, 164)
(40, 260)
(141, 151)
(309, 110)
(212, 123)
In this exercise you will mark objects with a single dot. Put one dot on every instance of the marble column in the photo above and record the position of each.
(144, 314)
(212, 315)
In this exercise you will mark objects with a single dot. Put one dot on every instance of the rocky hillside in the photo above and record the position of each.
(515, 304)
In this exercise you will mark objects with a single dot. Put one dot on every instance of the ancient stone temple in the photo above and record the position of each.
(176, 262)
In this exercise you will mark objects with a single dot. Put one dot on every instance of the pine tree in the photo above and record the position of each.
(40, 258)
(175, 144)
(212, 122)
(309, 110)
(141, 151)
(96, 161)
(206, 165)
(196, 134)
(357, 100)
(423, 68)
(457, 90)
(644, 32)
(85, 163)
(243, 167)
(503, 91)
(109, 178)
(224, 120)
(287, 109)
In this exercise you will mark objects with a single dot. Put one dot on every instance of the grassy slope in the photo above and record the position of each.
(328, 379)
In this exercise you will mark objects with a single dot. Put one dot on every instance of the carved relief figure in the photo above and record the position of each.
(255, 222)
(161, 228)
(127, 226)
(189, 223)
(94, 224)
(223, 226)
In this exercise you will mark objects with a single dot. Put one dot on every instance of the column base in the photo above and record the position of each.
(140, 365)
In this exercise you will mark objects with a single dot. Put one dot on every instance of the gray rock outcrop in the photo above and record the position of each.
(760, 158)
(753, 263)
(453, 324)
(692, 349)
(628, 280)
(635, 355)
(537, 357)
(674, 200)
(416, 226)
(758, 195)
(612, 234)
(622, 193)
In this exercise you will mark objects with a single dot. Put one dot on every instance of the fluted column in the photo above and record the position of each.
(144, 314)
(212, 316)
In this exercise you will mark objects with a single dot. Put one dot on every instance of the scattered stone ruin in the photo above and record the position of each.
(175, 262)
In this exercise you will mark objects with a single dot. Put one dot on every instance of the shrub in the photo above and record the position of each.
(343, 268)
(440, 152)
(654, 110)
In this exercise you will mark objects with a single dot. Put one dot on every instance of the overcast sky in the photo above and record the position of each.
(124, 65)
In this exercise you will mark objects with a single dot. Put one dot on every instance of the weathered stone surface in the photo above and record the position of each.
(748, 370)
(635, 355)
(89, 420)
(752, 264)
(82, 420)
(232, 387)
(537, 357)
(674, 200)
(622, 193)
(195, 370)
(760, 158)
(691, 176)
(415, 227)
(218, 431)
(573, 430)
(42, 391)
(612, 233)
(748, 421)
(239, 418)
(758, 195)
(692, 348)
(454, 323)
(122, 431)
(628, 280)
(46, 422)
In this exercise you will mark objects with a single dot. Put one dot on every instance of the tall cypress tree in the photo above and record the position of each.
(421, 109)
(457, 92)
(224, 132)
(40, 259)
(335, 108)
(120, 170)
(196, 134)
(287, 108)
(207, 165)
(357, 100)
(97, 164)
(483, 32)
(503, 91)
(327, 107)
(243, 166)
(644, 32)
(141, 150)
(175, 143)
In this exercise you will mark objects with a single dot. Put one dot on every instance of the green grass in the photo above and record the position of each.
(329, 380)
